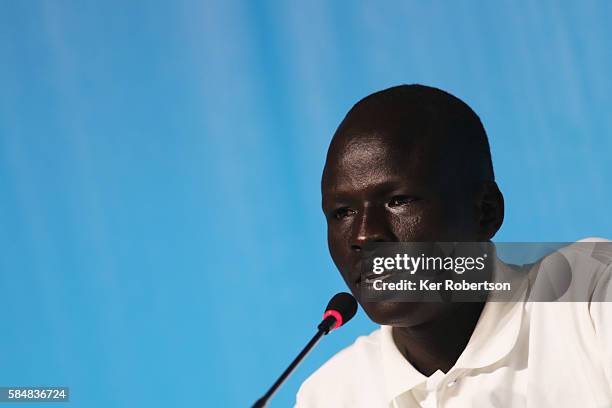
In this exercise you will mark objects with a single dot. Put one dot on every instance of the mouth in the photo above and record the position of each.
(370, 279)
(362, 276)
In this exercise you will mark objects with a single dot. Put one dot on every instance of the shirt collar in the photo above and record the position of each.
(499, 324)
(493, 338)
(400, 375)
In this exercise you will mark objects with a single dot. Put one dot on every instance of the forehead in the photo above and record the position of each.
(372, 159)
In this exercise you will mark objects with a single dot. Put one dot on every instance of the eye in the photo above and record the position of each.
(343, 212)
(400, 200)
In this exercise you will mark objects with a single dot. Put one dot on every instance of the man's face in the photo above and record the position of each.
(380, 187)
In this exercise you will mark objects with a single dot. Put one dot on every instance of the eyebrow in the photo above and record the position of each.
(380, 188)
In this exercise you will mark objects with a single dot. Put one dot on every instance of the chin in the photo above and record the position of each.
(402, 314)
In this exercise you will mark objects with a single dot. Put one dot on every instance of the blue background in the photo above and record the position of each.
(162, 239)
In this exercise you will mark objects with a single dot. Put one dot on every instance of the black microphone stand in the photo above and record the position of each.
(323, 329)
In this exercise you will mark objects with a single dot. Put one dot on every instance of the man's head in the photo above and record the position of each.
(407, 164)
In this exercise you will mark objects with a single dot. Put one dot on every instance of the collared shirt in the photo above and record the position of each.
(521, 354)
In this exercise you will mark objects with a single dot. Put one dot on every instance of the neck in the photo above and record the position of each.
(437, 345)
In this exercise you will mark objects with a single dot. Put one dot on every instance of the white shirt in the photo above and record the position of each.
(521, 354)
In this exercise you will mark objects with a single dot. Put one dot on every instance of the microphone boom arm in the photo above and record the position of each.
(323, 329)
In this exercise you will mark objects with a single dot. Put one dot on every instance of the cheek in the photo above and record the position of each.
(409, 228)
(337, 242)
(425, 227)
(428, 225)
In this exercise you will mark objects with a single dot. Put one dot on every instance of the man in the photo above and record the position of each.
(412, 164)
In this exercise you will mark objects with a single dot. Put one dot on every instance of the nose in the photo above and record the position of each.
(371, 226)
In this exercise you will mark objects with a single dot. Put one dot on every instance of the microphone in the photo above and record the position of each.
(340, 309)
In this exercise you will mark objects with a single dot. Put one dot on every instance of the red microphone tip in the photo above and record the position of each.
(336, 315)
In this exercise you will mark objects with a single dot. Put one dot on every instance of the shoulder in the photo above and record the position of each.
(595, 249)
(581, 318)
(341, 377)
(574, 272)
(574, 282)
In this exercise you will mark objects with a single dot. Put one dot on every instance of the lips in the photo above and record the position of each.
(373, 277)
(357, 272)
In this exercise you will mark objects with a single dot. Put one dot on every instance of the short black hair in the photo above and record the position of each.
(430, 109)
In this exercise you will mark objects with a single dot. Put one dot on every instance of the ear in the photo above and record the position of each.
(490, 208)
